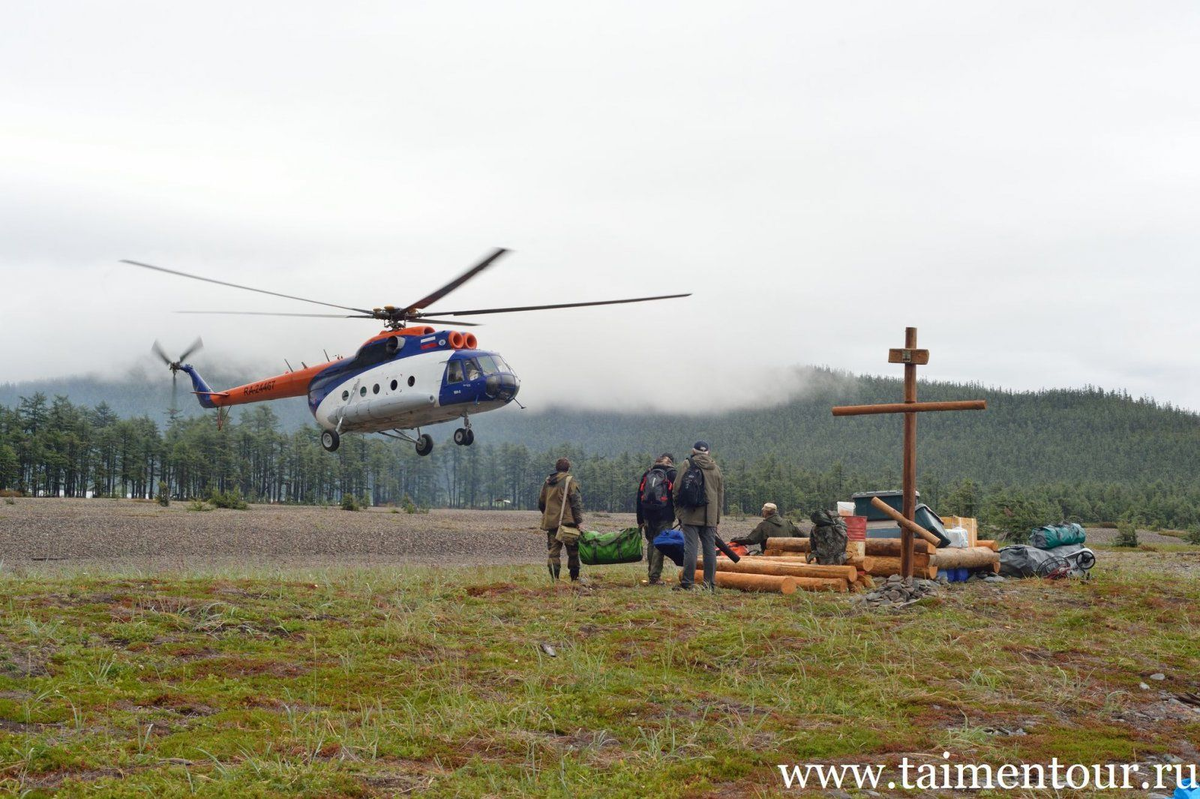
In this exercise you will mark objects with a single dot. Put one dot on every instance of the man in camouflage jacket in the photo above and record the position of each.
(555, 491)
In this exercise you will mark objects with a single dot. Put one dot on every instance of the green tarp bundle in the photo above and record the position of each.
(1051, 536)
(624, 546)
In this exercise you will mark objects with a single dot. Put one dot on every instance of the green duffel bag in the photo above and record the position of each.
(1057, 535)
(624, 546)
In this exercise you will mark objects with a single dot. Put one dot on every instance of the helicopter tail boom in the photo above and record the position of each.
(289, 384)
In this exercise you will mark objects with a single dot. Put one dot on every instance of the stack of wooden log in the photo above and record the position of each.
(783, 567)
(785, 575)
(882, 557)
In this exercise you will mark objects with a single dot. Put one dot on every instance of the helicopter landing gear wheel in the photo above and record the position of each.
(330, 440)
(464, 436)
(424, 445)
(470, 437)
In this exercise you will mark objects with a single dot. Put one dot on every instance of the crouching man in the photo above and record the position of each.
(561, 504)
(773, 525)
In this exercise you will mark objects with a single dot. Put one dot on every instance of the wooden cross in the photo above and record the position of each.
(911, 357)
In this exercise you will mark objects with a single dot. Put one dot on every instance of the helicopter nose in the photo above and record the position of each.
(502, 386)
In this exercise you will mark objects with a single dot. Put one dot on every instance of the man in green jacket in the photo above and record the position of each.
(773, 525)
(561, 504)
(699, 497)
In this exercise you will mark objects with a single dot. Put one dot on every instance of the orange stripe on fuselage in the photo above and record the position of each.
(290, 384)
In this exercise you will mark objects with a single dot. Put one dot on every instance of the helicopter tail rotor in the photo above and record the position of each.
(176, 365)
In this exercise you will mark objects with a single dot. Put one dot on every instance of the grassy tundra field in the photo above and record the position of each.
(175, 653)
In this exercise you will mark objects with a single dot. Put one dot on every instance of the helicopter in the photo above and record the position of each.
(410, 376)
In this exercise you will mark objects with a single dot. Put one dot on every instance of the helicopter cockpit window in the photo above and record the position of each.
(489, 366)
(454, 372)
(472, 367)
(502, 364)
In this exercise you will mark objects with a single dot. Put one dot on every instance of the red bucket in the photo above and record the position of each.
(856, 527)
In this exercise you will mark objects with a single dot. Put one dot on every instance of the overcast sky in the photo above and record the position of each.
(1019, 180)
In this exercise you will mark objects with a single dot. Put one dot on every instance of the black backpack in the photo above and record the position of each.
(656, 490)
(691, 487)
(827, 541)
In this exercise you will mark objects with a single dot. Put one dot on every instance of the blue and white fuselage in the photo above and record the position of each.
(412, 391)
(395, 382)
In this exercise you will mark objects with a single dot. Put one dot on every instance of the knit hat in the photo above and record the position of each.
(700, 446)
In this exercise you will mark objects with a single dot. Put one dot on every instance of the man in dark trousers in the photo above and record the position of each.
(561, 504)
(699, 497)
(656, 509)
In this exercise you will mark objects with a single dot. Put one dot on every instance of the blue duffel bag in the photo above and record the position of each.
(670, 543)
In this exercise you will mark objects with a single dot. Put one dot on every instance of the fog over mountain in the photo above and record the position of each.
(1023, 437)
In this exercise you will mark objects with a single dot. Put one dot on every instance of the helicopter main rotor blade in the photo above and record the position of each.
(157, 349)
(244, 288)
(197, 345)
(321, 316)
(271, 313)
(517, 309)
(449, 322)
(455, 283)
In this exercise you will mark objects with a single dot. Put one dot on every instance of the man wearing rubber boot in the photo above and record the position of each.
(655, 511)
(561, 504)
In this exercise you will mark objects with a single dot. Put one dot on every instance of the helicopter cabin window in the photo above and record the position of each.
(454, 372)
(472, 367)
(394, 384)
(345, 396)
(489, 366)
(362, 392)
(412, 381)
(376, 389)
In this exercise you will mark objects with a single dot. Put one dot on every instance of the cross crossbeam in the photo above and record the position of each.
(911, 357)
(910, 407)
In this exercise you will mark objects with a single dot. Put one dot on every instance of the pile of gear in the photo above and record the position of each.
(1054, 551)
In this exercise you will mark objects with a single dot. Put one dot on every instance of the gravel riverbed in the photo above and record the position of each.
(140, 534)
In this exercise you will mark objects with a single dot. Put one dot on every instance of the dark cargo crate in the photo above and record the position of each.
(863, 506)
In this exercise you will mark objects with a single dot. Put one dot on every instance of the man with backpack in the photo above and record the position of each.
(656, 509)
(699, 497)
(561, 504)
(773, 525)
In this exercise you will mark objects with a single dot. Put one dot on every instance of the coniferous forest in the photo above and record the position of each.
(1032, 458)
